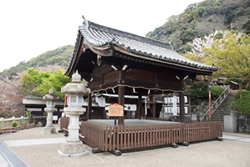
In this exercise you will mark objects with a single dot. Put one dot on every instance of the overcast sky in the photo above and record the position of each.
(32, 27)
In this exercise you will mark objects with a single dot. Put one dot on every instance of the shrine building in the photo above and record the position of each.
(121, 63)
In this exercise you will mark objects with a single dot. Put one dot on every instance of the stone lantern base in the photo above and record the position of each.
(72, 149)
(48, 130)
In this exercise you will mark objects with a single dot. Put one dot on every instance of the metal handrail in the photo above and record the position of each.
(215, 102)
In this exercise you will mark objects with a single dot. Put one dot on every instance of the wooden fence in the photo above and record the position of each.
(111, 138)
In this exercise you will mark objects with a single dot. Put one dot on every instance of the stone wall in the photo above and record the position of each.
(198, 108)
(243, 123)
(8, 122)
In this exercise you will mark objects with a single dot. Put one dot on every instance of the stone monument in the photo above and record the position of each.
(73, 147)
(50, 108)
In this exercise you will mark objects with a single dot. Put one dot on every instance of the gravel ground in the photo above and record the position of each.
(227, 153)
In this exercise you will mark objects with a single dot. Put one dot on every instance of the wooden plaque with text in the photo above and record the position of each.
(115, 110)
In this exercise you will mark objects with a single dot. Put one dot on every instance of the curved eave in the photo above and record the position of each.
(159, 59)
(75, 55)
(104, 40)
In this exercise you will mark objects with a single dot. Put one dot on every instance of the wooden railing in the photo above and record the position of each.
(217, 103)
(111, 138)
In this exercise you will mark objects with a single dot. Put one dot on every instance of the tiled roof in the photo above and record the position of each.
(98, 36)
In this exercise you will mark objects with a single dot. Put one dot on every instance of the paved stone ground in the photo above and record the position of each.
(233, 151)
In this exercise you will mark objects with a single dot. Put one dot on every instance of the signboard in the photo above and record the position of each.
(174, 105)
(115, 110)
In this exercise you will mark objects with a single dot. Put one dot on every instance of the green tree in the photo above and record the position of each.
(38, 82)
(200, 90)
(241, 104)
(56, 80)
(232, 56)
(30, 79)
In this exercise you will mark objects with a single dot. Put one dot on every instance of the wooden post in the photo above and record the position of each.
(182, 111)
(89, 106)
(121, 92)
(138, 115)
(152, 106)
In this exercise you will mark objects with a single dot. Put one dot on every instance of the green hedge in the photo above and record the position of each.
(241, 104)
(216, 91)
(200, 90)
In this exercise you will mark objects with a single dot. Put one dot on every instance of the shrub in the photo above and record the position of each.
(28, 114)
(198, 90)
(237, 95)
(14, 124)
(216, 91)
(248, 87)
(241, 104)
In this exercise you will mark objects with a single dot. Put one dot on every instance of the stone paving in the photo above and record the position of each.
(38, 150)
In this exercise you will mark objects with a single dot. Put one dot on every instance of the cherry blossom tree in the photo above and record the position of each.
(11, 97)
(197, 52)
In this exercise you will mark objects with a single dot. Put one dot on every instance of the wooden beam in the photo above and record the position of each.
(185, 143)
(121, 90)
(96, 150)
(117, 152)
(174, 145)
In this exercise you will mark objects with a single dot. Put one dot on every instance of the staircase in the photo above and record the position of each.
(221, 106)
(223, 109)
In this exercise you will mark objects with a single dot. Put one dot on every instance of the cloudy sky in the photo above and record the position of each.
(30, 28)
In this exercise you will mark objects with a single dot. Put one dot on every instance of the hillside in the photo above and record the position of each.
(197, 20)
(200, 19)
(59, 56)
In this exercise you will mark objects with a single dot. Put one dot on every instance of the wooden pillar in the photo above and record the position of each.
(182, 111)
(104, 116)
(152, 106)
(89, 106)
(121, 93)
(139, 107)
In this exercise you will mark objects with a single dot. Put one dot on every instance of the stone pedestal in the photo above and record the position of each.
(73, 147)
(49, 129)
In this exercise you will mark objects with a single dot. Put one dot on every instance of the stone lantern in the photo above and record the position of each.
(73, 147)
(50, 108)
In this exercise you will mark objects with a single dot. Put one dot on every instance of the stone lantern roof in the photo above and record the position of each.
(75, 87)
(51, 96)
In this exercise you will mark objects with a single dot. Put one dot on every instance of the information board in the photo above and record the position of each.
(115, 110)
